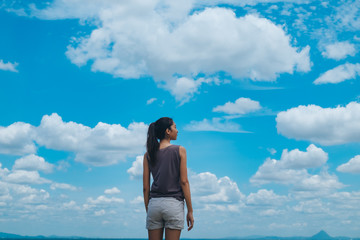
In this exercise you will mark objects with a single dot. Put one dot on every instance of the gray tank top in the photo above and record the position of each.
(166, 174)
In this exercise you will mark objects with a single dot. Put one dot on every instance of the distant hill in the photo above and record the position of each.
(321, 235)
(15, 236)
(9, 235)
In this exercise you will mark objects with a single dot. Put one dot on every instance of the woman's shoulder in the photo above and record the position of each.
(181, 149)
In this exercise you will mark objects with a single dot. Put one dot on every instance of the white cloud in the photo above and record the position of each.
(102, 201)
(8, 66)
(71, 205)
(339, 50)
(39, 197)
(137, 200)
(320, 182)
(113, 190)
(136, 169)
(272, 151)
(17, 139)
(296, 159)
(312, 206)
(150, 101)
(352, 166)
(33, 163)
(291, 170)
(339, 74)
(214, 125)
(3, 171)
(270, 212)
(207, 188)
(104, 144)
(347, 16)
(184, 88)
(240, 106)
(100, 212)
(265, 197)
(161, 39)
(25, 177)
(327, 126)
(64, 186)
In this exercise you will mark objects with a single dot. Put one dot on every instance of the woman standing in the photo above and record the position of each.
(164, 202)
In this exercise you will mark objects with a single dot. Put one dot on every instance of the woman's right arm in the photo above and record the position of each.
(186, 188)
(146, 182)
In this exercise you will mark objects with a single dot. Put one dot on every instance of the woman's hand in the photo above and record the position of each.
(190, 220)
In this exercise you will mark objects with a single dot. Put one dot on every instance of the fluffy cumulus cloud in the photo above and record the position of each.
(8, 66)
(33, 163)
(64, 186)
(291, 169)
(339, 74)
(240, 106)
(25, 177)
(265, 197)
(207, 188)
(214, 125)
(104, 144)
(113, 190)
(296, 159)
(352, 166)
(17, 139)
(102, 202)
(136, 169)
(327, 126)
(339, 50)
(162, 39)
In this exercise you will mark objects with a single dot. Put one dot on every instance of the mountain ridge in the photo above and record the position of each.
(322, 235)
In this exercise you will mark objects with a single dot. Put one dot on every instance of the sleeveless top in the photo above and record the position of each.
(166, 174)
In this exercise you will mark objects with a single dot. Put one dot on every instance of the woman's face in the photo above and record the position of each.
(173, 132)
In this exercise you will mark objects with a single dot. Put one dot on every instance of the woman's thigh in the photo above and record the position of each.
(172, 234)
(156, 234)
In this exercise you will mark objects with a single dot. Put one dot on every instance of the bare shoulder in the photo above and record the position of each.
(182, 150)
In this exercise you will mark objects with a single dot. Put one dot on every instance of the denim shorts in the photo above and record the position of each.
(165, 212)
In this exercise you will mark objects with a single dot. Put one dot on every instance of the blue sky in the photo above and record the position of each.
(265, 95)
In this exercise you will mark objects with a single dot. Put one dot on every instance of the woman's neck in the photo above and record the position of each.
(165, 142)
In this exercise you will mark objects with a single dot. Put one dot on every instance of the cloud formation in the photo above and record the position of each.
(105, 144)
(339, 50)
(292, 167)
(8, 66)
(33, 163)
(240, 106)
(17, 139)
(216, 193)
(174, 46)
(136, 169)
(327, 126)
(352, 166)
(339, 74)
(214, 125)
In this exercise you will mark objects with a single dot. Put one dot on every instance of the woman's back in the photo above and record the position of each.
(166, 174)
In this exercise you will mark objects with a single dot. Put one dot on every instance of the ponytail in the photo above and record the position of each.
(152, 143)
(156, 131)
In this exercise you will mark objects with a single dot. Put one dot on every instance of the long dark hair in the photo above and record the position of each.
(156, 131)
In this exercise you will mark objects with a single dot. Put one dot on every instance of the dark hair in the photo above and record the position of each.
(156, 131)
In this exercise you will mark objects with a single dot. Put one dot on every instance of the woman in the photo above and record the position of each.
(164, 203)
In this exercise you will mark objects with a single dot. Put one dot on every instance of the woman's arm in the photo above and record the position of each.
(146, 182)
(186, 188)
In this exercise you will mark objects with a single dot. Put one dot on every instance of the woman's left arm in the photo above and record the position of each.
(146, 181)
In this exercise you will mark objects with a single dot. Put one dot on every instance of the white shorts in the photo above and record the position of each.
(165, 212)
